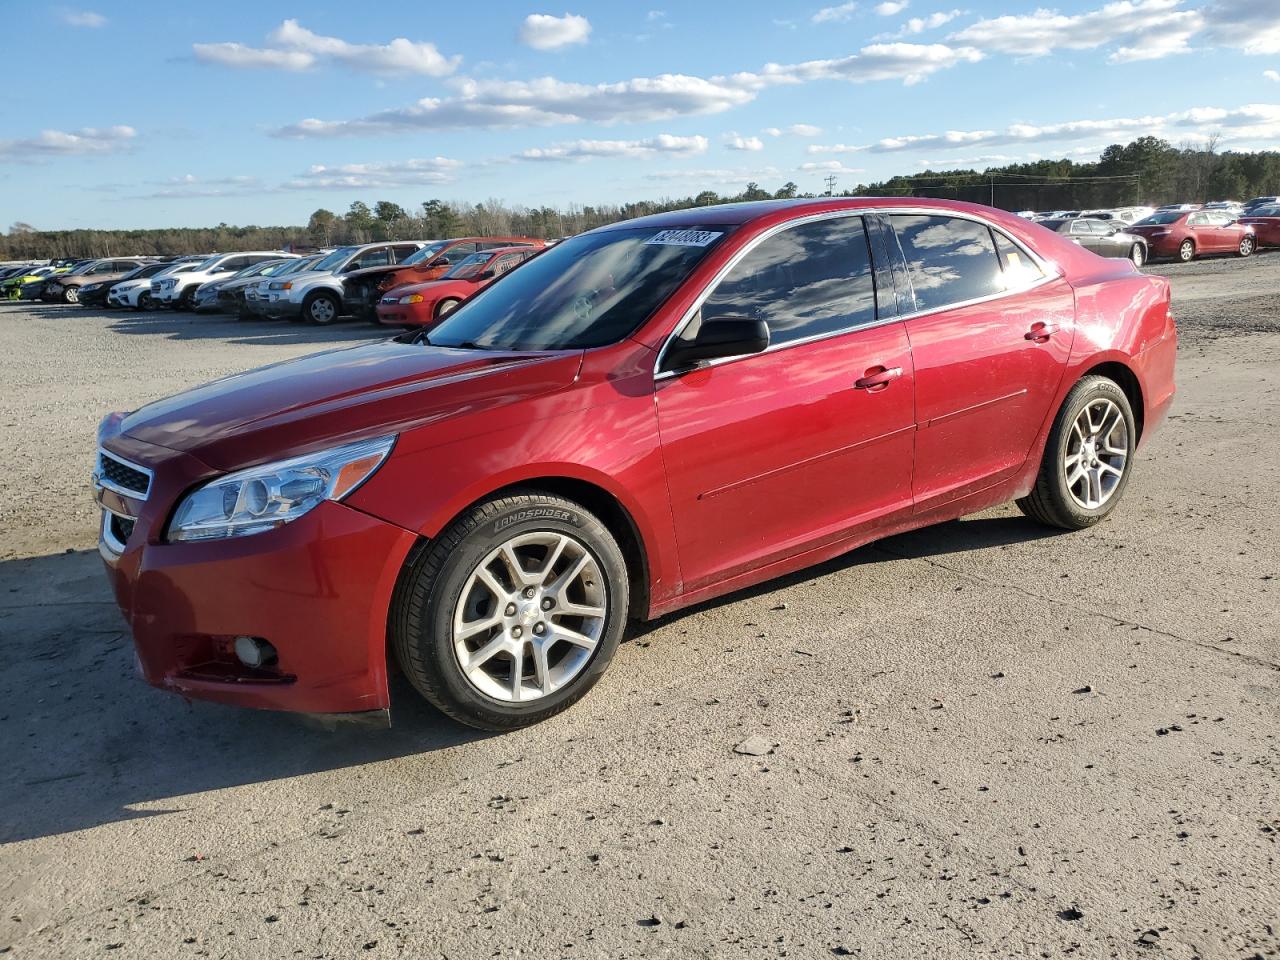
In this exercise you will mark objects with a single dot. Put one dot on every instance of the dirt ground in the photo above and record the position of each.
(986, 739)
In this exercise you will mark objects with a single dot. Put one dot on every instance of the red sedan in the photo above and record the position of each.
(641, 418)
(424, 304)
(1265, 222)
(1185, 235)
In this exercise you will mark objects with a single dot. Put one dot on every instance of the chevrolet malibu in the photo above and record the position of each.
(1177, 233)
(643, 417)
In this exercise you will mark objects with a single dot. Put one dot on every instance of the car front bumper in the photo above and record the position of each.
(279, 308)
(406, 314)
(318, 589)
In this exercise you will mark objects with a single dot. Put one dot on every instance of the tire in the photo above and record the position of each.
(1187, 251)
(1138, 255)
(446, 307)
(1055, 500)
(70, 294)
(1247, 246)
(145, 303)
(321, 308)
(442, 586)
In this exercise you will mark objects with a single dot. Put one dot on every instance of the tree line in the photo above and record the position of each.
(1146, 171)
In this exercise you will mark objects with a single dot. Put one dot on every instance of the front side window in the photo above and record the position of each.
(589, 291)
(811, 279)
(466, 268)
(377, 257)
(950, 260)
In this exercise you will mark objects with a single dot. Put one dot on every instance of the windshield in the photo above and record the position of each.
(1156, 219)
(81, 267)
(1272, 211)
(146, 270)
(334, 260)
(1054, 224)
(465, 268)
(426, 253)
(591, 290)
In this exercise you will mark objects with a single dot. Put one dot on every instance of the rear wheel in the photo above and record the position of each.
(1087, 458)
(1138, 255)
(446, 307)
(1187, 252)
(513, 613)
(70, 294)
(1247, 246)
(321, 308)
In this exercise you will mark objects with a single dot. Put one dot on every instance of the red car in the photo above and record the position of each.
(641, 418)
(1186, 235)
(1265, 222)
(422, 304)
(437, 257)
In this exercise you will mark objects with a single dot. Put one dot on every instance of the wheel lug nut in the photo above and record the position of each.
(547, 603)
(511, 610)
(539, 628)
(529, 592)
(517, 632)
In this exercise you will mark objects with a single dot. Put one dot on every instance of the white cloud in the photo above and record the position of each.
(891, 8)
(653, 15)
(57, 143)
(1154, 29)
(828, 166)
(382, 175)
(662, 144)
(83, 18)
(917, 25)
(1252, 122)
(716, 175)
(294, 47)
(836, 14)
(545, 32)
(1249, 25)
(189, 187)
(804, 130)
(772, 131)
(1273, 75)
(548, 101)
(750, 144)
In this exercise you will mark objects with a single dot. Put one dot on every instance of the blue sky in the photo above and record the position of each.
(146, 114)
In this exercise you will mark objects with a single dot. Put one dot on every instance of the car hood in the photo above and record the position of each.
(437, 287)
(325, 398)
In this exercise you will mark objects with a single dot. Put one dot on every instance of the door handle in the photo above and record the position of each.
(1041, 332)
(877, 378)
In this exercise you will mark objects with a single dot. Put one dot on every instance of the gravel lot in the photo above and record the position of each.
(986, 739)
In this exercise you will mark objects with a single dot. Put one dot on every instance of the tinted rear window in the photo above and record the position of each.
(950, 260)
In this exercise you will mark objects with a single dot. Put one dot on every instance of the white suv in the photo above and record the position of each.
(333, 286)
(136, 293)
(179, 289)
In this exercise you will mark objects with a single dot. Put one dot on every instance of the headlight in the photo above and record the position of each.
(263, 498)
(280, 285)
(412, 298)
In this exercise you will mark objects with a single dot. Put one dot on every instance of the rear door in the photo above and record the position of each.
(771, 455)
(990, 340)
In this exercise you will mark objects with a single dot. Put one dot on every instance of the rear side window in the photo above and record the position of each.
(1020, 270)
(811, 279)
(950, 260)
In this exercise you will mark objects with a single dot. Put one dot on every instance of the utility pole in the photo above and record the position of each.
(831, 184)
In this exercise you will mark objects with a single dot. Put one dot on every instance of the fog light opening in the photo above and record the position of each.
(255, 652)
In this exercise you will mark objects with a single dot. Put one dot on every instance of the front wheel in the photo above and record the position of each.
(321, 308)
(1138, 255)
(1087, 458)
(1247, 246)
(446, 307)
(513, 613)
(1187, 252)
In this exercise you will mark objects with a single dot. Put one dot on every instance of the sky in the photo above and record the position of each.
(143, 114)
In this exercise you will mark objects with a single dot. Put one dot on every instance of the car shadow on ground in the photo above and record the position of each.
(87, 743)
(223, 327)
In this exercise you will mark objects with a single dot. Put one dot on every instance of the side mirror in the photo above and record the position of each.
(485, 275)
(719, 338)
(441, 262)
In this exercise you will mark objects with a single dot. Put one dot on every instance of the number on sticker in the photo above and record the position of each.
(685, 238)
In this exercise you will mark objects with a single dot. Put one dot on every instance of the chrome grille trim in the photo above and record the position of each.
(107, 483)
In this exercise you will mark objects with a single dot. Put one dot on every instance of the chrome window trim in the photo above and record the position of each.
(106, 484)
(1049, 271)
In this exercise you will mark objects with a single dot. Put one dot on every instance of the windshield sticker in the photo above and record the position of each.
(685, 238)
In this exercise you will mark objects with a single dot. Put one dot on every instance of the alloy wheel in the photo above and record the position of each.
(1187, 251)
(1097, 453)
(1246, 246)
(71, 295)
(530, 616)
(1137, 256)
(322, 310)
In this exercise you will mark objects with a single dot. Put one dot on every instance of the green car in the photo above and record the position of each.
(27, 286)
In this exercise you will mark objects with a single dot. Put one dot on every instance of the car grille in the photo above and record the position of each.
(122, 476)
(121, 528)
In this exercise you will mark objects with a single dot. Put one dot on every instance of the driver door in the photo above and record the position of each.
(775, 454)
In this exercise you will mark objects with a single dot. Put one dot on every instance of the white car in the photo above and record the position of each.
(179, 289)
(332, 287)
(135, 293)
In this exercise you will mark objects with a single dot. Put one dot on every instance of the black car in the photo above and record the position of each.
(1103, 237)
(95, 294)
